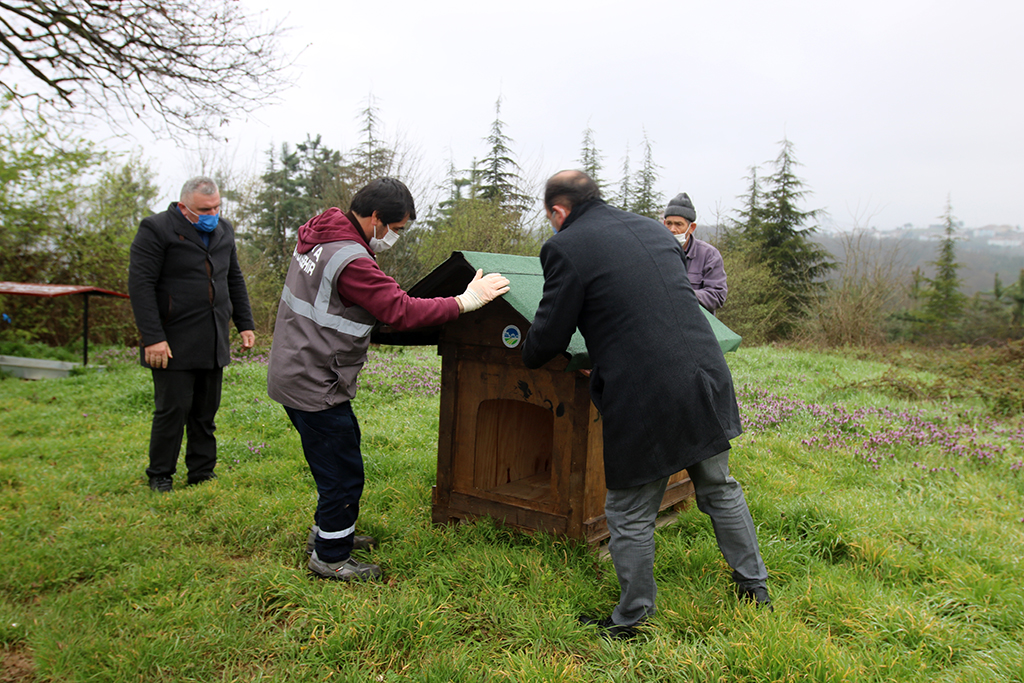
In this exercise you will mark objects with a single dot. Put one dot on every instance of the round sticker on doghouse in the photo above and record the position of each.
(511, 336)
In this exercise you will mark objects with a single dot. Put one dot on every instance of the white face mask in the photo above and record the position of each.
(385, 242)
(683, 239)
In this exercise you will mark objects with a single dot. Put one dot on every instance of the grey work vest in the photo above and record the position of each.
(319, 343)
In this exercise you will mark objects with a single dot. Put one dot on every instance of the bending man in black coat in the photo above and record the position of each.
(659, 380)
(186, 287)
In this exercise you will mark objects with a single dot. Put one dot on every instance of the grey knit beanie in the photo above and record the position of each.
(680, 205)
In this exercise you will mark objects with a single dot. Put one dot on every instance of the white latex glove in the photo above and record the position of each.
(482, 290)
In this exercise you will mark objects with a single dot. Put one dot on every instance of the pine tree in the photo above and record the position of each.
(1015, 294)
(325, 179)
(591, 158)
(647, 201)
(624, 198)
(738, 233)
(752, 214)
(298, 184)
(482, 211)
(373, 158)
(454, 186)
(780, 232)
(944, 302)
(498, 173)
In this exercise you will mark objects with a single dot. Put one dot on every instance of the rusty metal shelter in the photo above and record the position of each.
(31, 289)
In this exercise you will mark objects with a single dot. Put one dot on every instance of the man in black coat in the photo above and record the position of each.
(186, 286)
(659, 380)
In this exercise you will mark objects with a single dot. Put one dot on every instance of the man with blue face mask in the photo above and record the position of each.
(186, 287)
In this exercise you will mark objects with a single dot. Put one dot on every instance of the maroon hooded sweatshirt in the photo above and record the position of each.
(364, 284)
(320, 346)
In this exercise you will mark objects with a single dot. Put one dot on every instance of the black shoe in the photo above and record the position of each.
(161, 484)
(609, 629)
(757, 595)
(203, 478)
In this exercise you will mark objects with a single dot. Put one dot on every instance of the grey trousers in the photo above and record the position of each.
(631, 514)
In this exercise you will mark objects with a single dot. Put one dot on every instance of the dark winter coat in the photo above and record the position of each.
(186, 293)
(659, 377)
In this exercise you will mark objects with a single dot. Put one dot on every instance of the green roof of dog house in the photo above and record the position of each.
(526, 288)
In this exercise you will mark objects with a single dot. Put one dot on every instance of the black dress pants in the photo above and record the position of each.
(185, 400)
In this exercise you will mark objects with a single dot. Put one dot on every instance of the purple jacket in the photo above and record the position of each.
(706, 271)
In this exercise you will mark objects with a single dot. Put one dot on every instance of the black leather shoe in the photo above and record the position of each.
(161, 484)
(608, 629)
(757, 595)
(192, 481)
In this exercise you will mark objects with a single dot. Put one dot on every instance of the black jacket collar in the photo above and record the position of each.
(578, 211)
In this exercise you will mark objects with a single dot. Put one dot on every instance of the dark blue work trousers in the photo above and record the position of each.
(330, 442)
(186, 402)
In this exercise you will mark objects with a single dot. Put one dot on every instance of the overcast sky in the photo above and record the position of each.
(892, 106)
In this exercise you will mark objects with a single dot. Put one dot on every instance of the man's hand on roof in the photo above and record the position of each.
(482, 290)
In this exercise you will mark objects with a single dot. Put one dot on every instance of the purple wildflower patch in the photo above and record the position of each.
(393, 375)
(250, 356)
(256, 447)
(880, 434)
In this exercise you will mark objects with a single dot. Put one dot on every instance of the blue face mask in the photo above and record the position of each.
(207, 223)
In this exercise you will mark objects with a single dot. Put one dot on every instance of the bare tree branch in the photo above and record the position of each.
(177, 66)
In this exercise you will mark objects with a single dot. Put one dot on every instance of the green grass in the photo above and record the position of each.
(891, 521)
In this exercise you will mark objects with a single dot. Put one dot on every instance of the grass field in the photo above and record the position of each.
(892, 525)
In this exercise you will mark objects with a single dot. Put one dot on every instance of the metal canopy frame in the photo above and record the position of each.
(50, 291)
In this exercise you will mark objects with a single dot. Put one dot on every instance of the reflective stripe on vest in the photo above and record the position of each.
(317, 311)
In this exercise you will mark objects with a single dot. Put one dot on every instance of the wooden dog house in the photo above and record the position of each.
(519, 445)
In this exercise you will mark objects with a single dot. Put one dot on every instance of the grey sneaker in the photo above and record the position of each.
(358, 542)
(346, 570)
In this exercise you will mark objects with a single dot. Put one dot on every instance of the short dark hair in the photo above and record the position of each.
(570, 189)
(389, 197)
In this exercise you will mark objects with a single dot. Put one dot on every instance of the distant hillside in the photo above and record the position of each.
(980, 260)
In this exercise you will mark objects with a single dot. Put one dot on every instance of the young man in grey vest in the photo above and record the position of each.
(333, 296)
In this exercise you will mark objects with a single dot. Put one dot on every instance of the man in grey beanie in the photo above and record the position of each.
(704, 264)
